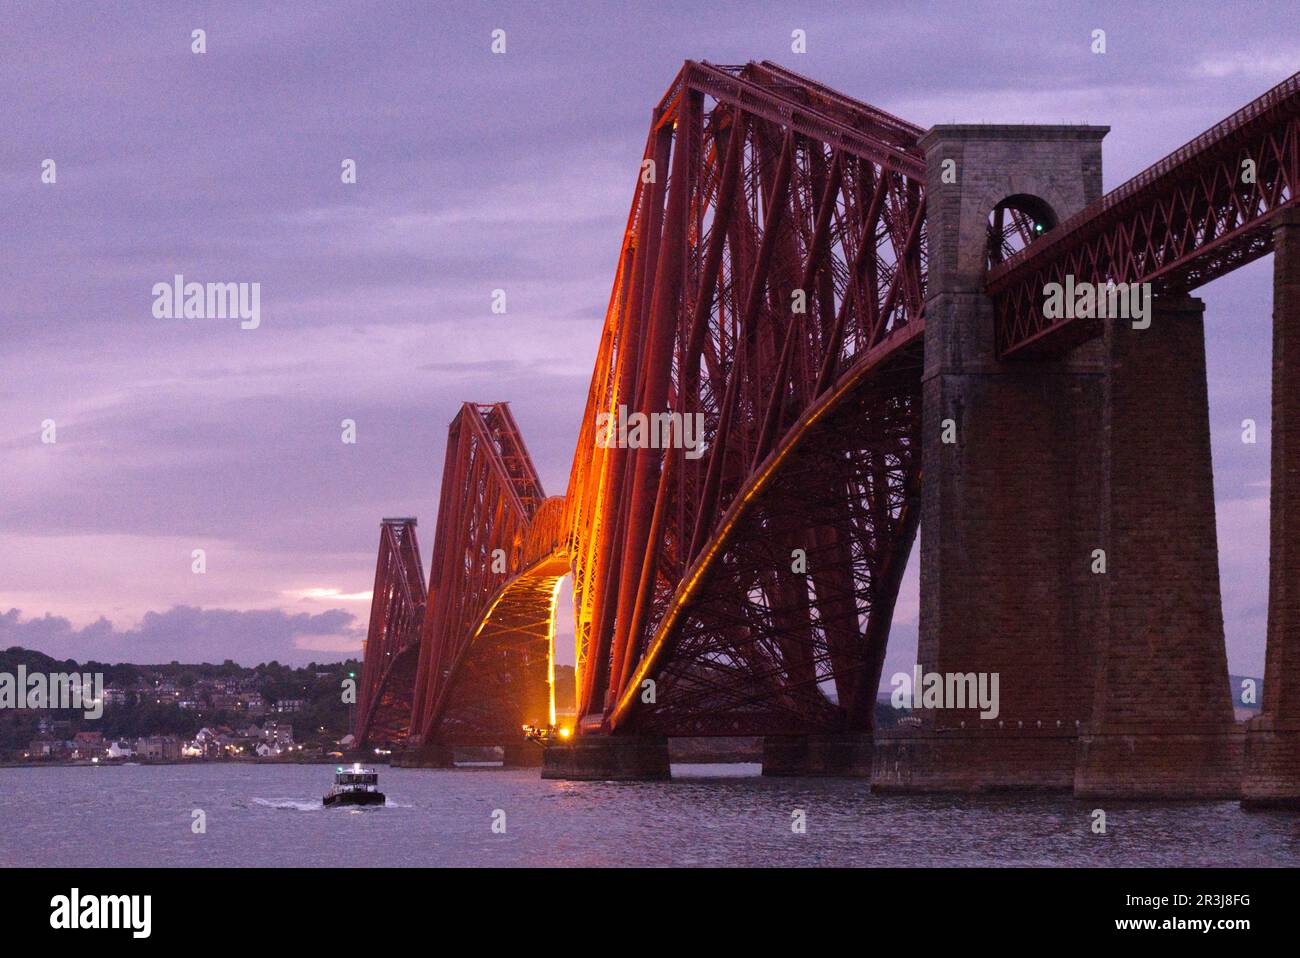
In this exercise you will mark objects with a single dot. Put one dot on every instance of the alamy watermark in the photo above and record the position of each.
(53, 690)
(1071, 300)
(660, 430)
(181, 300)
(75, 910)
(946, 690)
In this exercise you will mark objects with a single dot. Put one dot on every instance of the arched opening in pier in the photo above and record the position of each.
(1015, 222)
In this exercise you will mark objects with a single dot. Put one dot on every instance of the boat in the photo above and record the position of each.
(354, 786)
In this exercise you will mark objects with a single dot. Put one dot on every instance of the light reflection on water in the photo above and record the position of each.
(271, 815)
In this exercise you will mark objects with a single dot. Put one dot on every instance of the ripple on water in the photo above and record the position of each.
(716, 815)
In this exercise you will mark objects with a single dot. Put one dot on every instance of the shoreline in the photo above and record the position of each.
(117, 763)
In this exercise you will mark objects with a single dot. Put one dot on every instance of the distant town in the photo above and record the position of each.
(177, 712)
(267, 713)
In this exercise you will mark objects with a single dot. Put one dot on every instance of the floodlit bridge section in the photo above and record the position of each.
(485, 665)
(842, 303)
(771, 284)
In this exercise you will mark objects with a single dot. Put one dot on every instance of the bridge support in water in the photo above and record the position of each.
(847, 755)
(524, 754)
(608, 758)
(1162, 724)
(1065, 494)
(1272, 765)
(1011, 497)
(433, 755)
(521, 754)
(1068, 536)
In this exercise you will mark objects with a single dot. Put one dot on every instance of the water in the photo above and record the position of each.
(271, 815)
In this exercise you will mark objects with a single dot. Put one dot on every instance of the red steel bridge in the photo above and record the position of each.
(850, 302)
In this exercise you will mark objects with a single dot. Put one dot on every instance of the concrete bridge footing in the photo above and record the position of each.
(608, 758)
(1272, 764)
(425, 756)
(524, 754)
(974, 760)
(844, 756)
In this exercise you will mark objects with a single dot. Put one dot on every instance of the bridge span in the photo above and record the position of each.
(856, 311)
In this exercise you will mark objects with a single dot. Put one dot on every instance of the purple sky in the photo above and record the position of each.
(475, 172)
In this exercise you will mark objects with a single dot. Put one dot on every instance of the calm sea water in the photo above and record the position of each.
(271, 815)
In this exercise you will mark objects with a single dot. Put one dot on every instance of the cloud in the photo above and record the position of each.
(189, 634)
(474, 172)
(1255, 64)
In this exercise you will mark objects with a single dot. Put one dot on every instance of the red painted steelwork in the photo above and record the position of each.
(771, 281)
(1186, 220)
(781, 241)
(393, 639)
(493, 555)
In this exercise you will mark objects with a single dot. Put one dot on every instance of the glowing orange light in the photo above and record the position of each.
(550, 646)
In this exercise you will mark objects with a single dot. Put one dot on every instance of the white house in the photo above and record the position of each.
(278, 733)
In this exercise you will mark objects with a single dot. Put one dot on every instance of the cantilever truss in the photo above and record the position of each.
(771, 281)
(776, 241)
(484, 665)
(393, 639)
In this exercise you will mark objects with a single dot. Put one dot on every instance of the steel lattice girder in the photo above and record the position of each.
(768, 188)
(504, 679)
(1186, 220)
(760, 187)
(388, 715)
(396, 610)
(491, 500)
(761, 646)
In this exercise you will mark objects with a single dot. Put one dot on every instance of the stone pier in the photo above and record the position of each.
(614, 758)
(842, 756)
(1272, 773)
(1011, 499)
(1162, 723)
